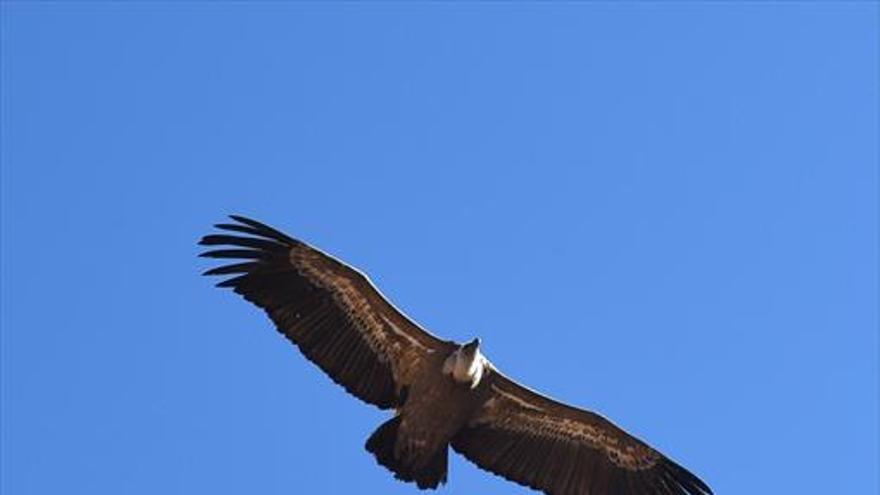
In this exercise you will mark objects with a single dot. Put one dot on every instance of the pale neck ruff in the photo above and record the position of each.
(463, 369)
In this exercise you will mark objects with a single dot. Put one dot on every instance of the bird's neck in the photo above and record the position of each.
(465, 368)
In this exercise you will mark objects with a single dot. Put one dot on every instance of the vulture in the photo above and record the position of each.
(444, 394)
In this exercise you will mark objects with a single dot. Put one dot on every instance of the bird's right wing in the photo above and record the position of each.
(550, 446)
(339, 320)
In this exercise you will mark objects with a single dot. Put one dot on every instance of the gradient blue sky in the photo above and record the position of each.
(666, 212)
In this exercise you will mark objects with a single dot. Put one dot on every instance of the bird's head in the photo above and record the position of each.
(472, 346)
(466, 363)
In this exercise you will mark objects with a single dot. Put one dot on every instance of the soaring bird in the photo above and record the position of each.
(443, 393)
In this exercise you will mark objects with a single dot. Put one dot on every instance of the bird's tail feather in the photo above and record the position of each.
(381, 444)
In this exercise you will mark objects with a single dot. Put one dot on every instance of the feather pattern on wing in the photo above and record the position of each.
(550, 446)
(332, 311)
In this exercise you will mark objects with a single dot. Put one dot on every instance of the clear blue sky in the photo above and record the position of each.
(666, 212)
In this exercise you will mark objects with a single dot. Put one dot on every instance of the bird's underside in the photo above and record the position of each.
(444, 394)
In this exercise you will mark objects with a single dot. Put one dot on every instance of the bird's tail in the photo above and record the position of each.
(381, 444)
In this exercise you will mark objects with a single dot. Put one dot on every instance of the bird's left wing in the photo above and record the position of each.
(559, 449)
(331, 311)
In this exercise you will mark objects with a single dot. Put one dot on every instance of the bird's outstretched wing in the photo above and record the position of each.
(339, 320)
(549, 446)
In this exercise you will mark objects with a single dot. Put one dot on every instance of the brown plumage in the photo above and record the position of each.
(444, 393)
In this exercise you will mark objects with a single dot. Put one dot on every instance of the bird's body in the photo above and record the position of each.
(436, 408)
(438, 404)
(443, 393)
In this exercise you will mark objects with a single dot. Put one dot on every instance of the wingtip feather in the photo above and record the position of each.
(263, 228)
